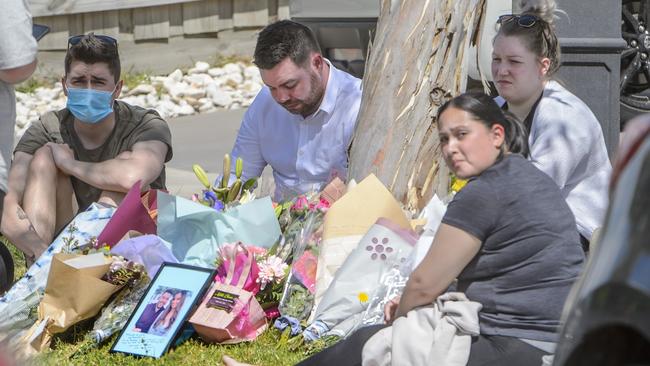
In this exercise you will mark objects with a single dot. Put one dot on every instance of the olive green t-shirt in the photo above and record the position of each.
(132, 124)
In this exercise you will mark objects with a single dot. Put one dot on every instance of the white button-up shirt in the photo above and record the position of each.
(305, 153)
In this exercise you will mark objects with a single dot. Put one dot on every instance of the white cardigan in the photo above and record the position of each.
(566, 142)
(440, 334)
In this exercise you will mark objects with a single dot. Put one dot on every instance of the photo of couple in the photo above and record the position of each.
(161, 312)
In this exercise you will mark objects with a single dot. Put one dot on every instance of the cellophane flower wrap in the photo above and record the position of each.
(115, 315)
(302, 238)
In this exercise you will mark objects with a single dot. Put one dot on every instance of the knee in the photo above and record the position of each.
(42, 162)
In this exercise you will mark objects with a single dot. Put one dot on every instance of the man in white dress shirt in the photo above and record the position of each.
(302, 120)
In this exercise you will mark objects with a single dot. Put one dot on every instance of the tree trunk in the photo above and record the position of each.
(416, 63)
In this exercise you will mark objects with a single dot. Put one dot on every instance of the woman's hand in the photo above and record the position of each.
(390, 309)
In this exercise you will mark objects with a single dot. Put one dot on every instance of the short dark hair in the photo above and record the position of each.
(485, 110)
(92, 50)
(283, 39)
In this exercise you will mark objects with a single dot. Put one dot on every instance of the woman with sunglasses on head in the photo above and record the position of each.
(565, 138)
(516, 256)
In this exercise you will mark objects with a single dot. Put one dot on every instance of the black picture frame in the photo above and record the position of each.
(170, 299)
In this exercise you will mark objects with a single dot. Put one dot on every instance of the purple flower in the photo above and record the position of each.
(211, 198)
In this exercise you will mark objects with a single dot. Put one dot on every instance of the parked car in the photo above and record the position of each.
(607, 314)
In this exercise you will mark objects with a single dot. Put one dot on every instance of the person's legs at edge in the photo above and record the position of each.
(32, 227)
(503, 351)
(347, 352)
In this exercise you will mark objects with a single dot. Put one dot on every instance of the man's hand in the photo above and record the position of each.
(62, 154)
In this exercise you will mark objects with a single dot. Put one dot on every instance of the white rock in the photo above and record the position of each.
(232, 68)
(176, 75)
(234, 78)
(21, 121)
(206, 105)
(185, 109)
(222, 98)
(151, 99)
(192, 92)
(216, 72)
(175, 89)
(142, 89)
(198, 80)
(251, 72)
(199, 68)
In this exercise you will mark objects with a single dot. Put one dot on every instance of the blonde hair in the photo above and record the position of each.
(539, 38)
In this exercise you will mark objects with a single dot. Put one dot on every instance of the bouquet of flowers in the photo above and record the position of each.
(224, 195)
(304, 210)
(115, 315)
(266, 278)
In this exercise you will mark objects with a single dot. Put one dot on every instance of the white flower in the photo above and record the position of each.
(272, 269)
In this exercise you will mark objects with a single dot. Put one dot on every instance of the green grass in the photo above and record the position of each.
(19, 258)
(222, 60)
(70, 348)
(30, 85)
(133, 79)
(263, 351)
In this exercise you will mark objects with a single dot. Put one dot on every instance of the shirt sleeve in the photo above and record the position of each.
(560, 145)
(247, 146)
(17, 45)
(474, 209)
(155, 129)
(35, 137)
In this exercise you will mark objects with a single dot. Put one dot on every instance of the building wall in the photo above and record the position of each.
(151, 20)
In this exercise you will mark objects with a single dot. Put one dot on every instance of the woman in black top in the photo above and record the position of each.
(508, 236)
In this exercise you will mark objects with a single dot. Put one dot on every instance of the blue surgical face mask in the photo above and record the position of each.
(89, 105)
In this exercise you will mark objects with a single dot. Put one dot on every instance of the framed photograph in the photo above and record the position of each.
(172, 294)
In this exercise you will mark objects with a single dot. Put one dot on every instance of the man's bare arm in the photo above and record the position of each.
(144, 163)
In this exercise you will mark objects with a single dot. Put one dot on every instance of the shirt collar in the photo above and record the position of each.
(331, 93)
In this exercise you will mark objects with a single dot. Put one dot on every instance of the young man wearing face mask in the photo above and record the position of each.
(302, 121)
(94, 150)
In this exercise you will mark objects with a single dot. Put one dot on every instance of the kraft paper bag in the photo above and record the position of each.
(63, 304)
(25, 294)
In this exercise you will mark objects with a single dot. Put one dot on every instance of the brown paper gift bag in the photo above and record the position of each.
(229, 314)
(71, 295)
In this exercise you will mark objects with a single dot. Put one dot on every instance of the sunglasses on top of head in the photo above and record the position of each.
(523, 20)
(102, 38)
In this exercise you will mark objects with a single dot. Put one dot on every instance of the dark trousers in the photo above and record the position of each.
(485, 351)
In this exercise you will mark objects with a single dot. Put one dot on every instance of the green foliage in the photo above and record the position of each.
(133, 79)
(222, 60)
(30, 85)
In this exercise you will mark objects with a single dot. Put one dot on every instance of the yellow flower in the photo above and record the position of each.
(457, 184)
(363, 297)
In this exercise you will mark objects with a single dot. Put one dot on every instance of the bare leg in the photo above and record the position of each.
(39, 199)
(66, 205)
(111, 198)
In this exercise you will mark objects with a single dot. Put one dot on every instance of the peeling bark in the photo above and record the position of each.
(416, 63)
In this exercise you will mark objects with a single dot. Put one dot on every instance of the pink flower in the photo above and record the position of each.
(272, 269)
(300, 204)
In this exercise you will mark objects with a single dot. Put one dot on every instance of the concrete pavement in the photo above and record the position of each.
(204, 139)
(161, 58)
